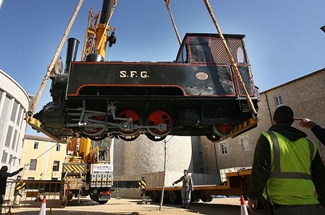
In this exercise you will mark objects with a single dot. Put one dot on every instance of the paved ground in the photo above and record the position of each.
(219, 206)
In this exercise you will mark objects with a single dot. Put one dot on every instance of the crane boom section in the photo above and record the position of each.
(90, 37)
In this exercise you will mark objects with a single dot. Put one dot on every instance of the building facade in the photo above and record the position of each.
(43, 158)
(14, 103)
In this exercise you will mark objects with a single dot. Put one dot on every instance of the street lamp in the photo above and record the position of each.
(323, 28)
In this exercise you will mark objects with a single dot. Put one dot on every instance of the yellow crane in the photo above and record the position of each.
(97, 30)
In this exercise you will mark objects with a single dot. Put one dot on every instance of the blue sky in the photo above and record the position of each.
(283, 38)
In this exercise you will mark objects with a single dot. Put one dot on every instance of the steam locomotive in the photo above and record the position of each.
(197, 94)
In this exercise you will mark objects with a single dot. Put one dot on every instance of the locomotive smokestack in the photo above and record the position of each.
(72, 49)
(106, 11)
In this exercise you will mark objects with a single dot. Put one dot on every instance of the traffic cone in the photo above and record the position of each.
(243, 207)
(43, 207)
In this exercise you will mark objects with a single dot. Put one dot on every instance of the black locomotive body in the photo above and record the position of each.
(198, 94)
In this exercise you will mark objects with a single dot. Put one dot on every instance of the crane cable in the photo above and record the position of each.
(233, 63)
(106, 26)
(55, 57)
(173, 22)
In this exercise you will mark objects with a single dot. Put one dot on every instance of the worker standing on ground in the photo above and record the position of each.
(3, 182)
(318, 131)
(287, 169)
(187, 188)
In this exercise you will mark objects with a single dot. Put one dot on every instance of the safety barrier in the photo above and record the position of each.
(29, 193)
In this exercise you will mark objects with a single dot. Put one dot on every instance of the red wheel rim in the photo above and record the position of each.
(136, 120)
(156, 118)
(222, 129)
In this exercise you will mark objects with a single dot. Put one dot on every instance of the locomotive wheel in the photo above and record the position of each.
(156, 118)
(136, 119)
(155, 138)
(213, 137)
(93, 131)
(129, 138)
(222, 129)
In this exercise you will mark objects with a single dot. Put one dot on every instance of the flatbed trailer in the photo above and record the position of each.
(236, 184)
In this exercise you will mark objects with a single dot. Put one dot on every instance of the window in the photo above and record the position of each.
(18, 139)
(244, 144)
(182, 57)
(8, 138)
(21, 121)
(4, 157)
(14, 112)
(14, 140)
(278, 101)
(200, 51)
(4, 116)
(35, 145)
(56, 166)
(58, 147)
(10, 159)
(18, 121)
(223, 148)
(32, 164)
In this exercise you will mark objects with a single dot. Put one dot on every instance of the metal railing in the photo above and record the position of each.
(30, 193)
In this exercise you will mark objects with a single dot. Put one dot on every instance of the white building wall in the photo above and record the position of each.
(14, 103)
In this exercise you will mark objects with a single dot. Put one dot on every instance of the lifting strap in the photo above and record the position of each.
(233, 63)
(173, 22)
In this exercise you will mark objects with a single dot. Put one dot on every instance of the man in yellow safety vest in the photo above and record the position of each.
(287, 170)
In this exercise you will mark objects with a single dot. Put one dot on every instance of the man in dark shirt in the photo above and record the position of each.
(187, 187)
(4, 174)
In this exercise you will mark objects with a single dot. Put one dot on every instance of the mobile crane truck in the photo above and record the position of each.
(87, 169)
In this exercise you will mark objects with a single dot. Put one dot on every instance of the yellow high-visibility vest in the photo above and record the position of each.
(290, 181)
